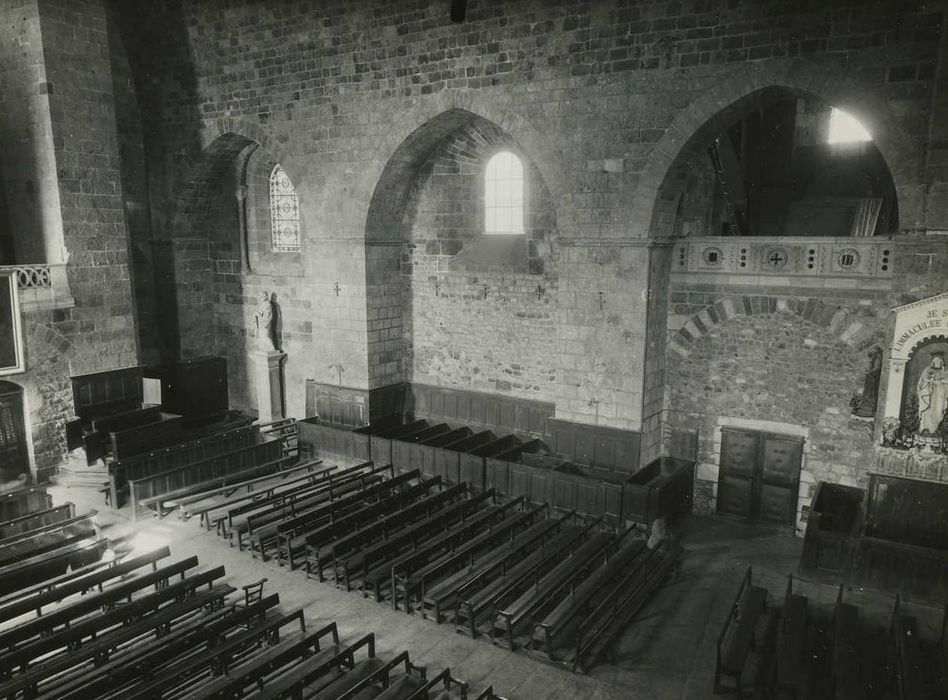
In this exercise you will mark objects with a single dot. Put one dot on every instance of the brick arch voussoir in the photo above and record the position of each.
(837, 321)
(837, 85)
(48, 344)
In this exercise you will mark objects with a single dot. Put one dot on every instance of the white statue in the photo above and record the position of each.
(264, 318)
(932, 389)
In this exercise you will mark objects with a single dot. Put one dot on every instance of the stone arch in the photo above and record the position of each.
(222, 141)
(838, 321)
(723, 101)
(407, 147)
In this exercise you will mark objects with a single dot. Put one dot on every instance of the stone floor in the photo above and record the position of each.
(666, 653)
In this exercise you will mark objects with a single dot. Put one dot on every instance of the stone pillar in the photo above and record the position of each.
(268, 378)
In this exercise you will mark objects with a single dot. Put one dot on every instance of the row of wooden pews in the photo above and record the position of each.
(145, 625)
(798, 653)
(557, 586)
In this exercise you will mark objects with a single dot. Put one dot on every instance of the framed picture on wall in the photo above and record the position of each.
(11, 334)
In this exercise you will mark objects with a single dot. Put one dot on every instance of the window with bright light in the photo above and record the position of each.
(845, 129)
(284, 213)
(503, 194)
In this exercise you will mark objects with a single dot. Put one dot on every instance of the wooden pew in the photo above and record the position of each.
(319, 542)
(791, 640)
(36, 520)
(424, 453)
(98, 629)
(308, 519)
(54, 581)
(846, 679)
(197, 493)
(911, 672)
(738, 635)
(46, 624)
(328, 501)
(313, 669)
(418, 544)
(46, 539)
(16, 504)
(244, 519)
(488, 694)
(562, 621)
(403, 447)
(496, 586)
(444, 679)
(618, 607)
(441, 581)
(35, 569)
(128, 442)
(133, 663)
(261, 458)
(180, 455)
(549, 588)
(80, 584)
(364, 678)
(408, 575)
(349, 556)
(221, 655)
(255, 490)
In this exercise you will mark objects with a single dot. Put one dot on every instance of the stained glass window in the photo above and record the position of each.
(284, 213)
(503, 194)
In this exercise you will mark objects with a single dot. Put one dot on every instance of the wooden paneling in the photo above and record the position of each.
(328, 442)
(604, 448)
(337, 405)
(504, 414)
(103, 393)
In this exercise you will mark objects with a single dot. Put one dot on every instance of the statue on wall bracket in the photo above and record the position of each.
(932, 392)
(264, 317)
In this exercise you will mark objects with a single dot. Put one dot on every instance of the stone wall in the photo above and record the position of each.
(352, 97)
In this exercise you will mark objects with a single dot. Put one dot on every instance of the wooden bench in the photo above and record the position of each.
(319, 542)
(242, 519)
(846, 677)
(441, 581)
(306, 519)
(36, 520)
(97, 629)
(496, 586)
(146, 437)
(737, 637)
(133, 663)
(215, 658)
(560, 622)
(408, 575)
(598, 630)
(47, 623)
(255, 490)
(36, 569)
(548, 587)
(232, 681)
(488, 694)
(350, 556)
(313, 668)
(24, 501)
(46, 539)
(911, 670)
(259, 459)
(791, 640)
(444, 679)
(79, 583)
(354, 683)
(419, 542)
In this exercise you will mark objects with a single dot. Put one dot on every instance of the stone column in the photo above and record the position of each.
(268, 378)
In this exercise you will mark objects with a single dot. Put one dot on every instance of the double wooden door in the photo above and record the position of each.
(14, 459)
(759, 476)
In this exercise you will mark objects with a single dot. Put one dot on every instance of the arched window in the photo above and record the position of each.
(844, 128)
(503, 194)
(284, 213)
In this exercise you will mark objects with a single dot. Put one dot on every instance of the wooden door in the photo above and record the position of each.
(759, 476)
(13, 453)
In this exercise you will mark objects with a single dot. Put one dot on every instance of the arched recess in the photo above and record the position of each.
(202, 263)
(654, 202)
(446, 292)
